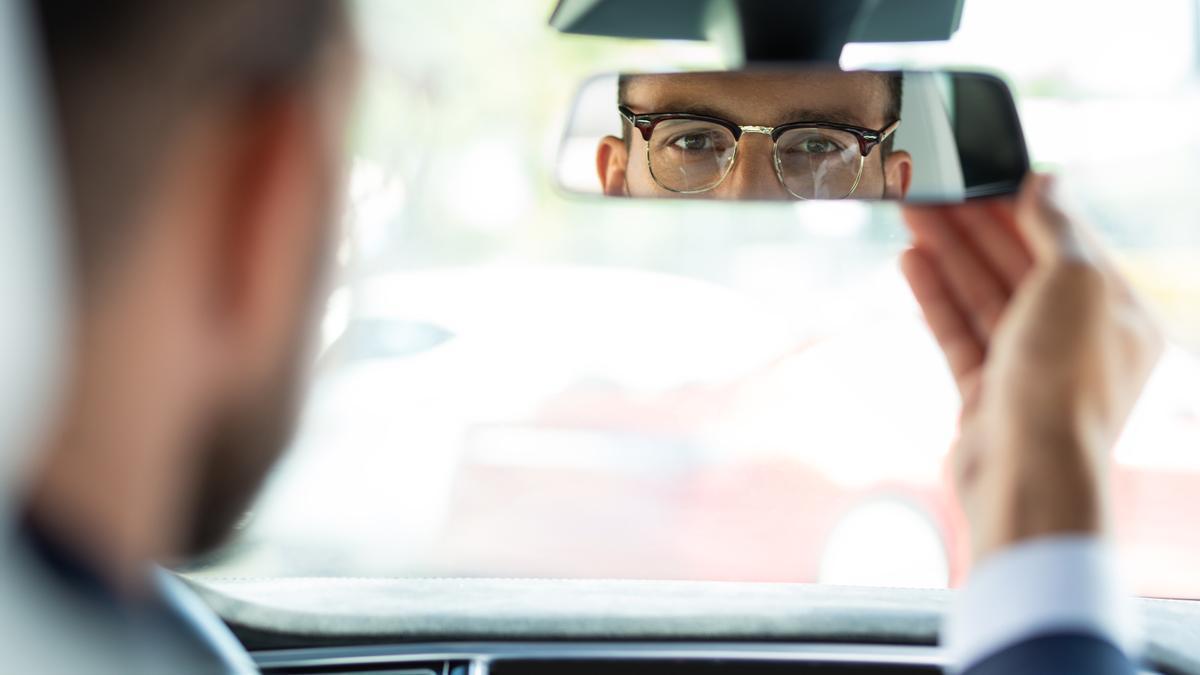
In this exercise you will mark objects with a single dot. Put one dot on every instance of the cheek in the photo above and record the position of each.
(638, 177)
(871, 185)
(637, 174)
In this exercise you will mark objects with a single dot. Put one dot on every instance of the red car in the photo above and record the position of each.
(809, 468)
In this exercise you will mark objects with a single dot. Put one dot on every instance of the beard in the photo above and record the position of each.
(242, 446)
(247, 437)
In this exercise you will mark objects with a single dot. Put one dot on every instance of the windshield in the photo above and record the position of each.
(514, 383)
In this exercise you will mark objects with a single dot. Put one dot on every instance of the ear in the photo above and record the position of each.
(897, 175)
(612, 159)
(284, 167)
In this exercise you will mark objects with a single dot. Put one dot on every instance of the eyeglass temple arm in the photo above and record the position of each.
(880, 137)
(633, 118)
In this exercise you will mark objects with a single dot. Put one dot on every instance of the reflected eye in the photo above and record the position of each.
(693, 142)
(815, 144)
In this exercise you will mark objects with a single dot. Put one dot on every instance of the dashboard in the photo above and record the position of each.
(595, 658)
(588, 627)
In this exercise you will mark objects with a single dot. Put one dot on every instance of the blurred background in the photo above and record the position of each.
(512, 382)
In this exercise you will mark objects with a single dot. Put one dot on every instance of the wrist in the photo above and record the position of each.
(1034, 490)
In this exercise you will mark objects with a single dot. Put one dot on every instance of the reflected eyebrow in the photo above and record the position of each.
(836, 115)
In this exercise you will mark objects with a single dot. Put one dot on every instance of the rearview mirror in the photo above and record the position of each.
(915, 136)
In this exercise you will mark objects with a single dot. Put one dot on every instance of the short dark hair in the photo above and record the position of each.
(124, 74)
(894, 81)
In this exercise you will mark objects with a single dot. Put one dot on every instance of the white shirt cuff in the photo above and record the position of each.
(1046, 585)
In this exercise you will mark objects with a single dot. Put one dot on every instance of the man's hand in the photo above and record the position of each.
(1050, 349)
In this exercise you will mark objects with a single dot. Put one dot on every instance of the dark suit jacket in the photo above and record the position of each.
(1059, 654)
(166, 632)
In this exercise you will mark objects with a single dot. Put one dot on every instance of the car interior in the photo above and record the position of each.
(609, 481)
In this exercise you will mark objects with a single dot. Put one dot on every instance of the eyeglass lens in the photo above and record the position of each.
(694, 156)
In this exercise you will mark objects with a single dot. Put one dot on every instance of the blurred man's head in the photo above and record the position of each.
(201, 150)
(682, 155)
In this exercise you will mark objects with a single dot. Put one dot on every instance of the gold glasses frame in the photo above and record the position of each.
(867, 140)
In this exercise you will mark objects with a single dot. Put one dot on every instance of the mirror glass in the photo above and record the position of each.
(794, 134)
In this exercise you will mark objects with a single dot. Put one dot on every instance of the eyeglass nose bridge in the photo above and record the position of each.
(754, 129)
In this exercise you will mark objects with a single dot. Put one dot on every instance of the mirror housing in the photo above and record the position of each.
(762, 31)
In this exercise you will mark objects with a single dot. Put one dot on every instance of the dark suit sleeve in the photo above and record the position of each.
(1058, 654)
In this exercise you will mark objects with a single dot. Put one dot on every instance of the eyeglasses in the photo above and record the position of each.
(689, 153)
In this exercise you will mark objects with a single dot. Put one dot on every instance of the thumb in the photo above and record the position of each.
(1050, 233)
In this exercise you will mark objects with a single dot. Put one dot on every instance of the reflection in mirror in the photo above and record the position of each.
(794, 134)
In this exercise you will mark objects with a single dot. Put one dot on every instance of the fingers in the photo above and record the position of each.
(1056, 237)
(991, 227)
(950, 327)
(976, 288)
(1050, 233)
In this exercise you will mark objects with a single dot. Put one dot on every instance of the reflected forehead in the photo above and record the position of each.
(768, 99)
